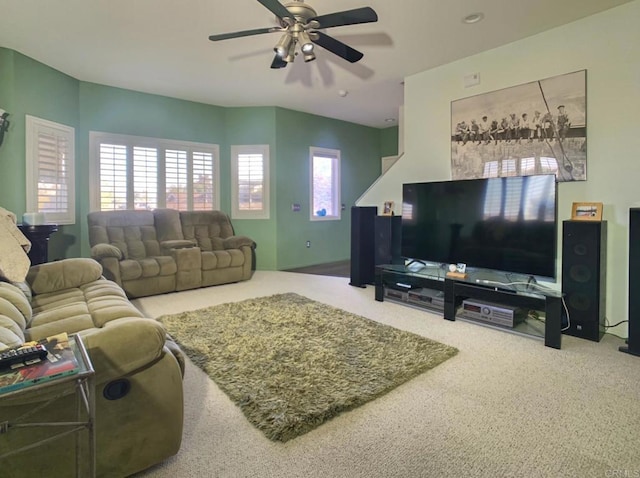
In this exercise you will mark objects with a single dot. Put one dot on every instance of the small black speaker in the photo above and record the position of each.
(388, 230)
(584, 265)
(633, 340)
(362, 245)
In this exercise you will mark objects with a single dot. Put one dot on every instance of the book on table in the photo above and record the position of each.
(59, 362)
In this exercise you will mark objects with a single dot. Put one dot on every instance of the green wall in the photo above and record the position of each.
(247, 126)
(38, 90)
(360, 165)
(29, 87)
(389, 141)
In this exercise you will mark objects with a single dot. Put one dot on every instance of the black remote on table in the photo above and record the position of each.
(16, 358)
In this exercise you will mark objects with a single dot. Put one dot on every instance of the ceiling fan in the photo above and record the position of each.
(300, 24)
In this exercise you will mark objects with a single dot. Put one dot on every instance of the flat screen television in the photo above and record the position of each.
(505, 224)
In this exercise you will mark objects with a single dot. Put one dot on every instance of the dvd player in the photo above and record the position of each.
(504, 315)
(432, 299)
(423, 296)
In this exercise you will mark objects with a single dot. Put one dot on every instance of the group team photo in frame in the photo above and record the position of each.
(534, 128)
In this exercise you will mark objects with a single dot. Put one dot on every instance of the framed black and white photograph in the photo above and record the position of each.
(534, 128)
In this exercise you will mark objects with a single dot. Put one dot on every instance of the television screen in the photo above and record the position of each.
(506, 224)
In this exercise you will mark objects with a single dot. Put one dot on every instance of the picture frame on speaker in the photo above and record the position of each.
(387, 209)
(586, 211)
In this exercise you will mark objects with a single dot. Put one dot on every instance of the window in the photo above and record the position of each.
(250, 182)
(509, 167)
(50, 151)
(490, 169)
(527, 166)
(131, 172)
(548, 165)
(325, 184)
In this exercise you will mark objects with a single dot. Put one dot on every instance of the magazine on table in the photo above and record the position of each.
(60, 361)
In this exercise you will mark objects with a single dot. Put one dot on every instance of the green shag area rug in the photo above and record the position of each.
(291, 363)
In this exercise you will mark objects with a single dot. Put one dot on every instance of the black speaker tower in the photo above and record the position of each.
(387, 244)
(584, 265)
(362, 245)
(633, 342)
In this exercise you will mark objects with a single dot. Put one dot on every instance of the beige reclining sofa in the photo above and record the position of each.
(138, 392)
(165, 250)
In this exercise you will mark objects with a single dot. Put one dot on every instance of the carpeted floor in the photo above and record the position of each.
(505, 406)
(291, 363)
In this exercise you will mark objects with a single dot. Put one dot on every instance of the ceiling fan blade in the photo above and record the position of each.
(245, 33)
(348, 17)
(278, 62)
(337, 47)
(277, 8)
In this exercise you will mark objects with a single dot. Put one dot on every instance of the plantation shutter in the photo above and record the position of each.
(145, 178)
(113, 177)
(176, 175)
(50, 152)
(203, 193)
(250, 182)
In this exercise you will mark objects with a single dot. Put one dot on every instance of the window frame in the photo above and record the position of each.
(33, 127)
(96, 138)
(334, 154)
(236, 212)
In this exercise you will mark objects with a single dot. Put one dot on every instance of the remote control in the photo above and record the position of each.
(16, 358)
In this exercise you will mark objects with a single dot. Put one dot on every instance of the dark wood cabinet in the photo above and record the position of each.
(39, 236)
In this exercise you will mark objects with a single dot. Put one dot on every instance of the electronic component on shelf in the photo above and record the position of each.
(21, 357)
(419, 296)
(493, 313)
(429, 297)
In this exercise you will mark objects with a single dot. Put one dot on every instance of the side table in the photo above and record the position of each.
(83, 385)
(39, 237)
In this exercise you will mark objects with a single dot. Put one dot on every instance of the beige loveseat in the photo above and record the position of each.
(139, 395)
(165, 250)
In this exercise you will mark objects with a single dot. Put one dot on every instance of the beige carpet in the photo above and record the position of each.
(505, 406)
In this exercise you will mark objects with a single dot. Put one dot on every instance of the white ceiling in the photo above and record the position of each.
(162, 47)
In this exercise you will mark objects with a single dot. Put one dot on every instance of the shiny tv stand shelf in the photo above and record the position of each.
(455, 290)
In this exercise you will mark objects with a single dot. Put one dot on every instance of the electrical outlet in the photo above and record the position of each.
(308, 243)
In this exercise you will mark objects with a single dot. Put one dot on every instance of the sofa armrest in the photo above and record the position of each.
(177, 244)
(236, 242)
(64, 274)
(124, 346)
(102, 251)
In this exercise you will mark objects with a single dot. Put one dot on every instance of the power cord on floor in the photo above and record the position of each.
(614, 325)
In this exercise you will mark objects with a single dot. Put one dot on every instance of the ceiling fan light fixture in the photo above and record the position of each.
(300, 23)
(283, 46)
(291, 53)
(305, 43)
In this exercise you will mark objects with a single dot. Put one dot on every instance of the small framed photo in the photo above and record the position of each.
(586, 211)
(387, 210)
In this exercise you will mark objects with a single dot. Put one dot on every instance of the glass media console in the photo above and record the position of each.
(482, 296)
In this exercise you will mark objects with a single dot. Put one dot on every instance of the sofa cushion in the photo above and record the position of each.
(208, 228)
(65, 274)
(222, 259)
(15, 315)
(168, 225)
(75, 309)
(148, 267)
(133, 232)
(14, 303)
